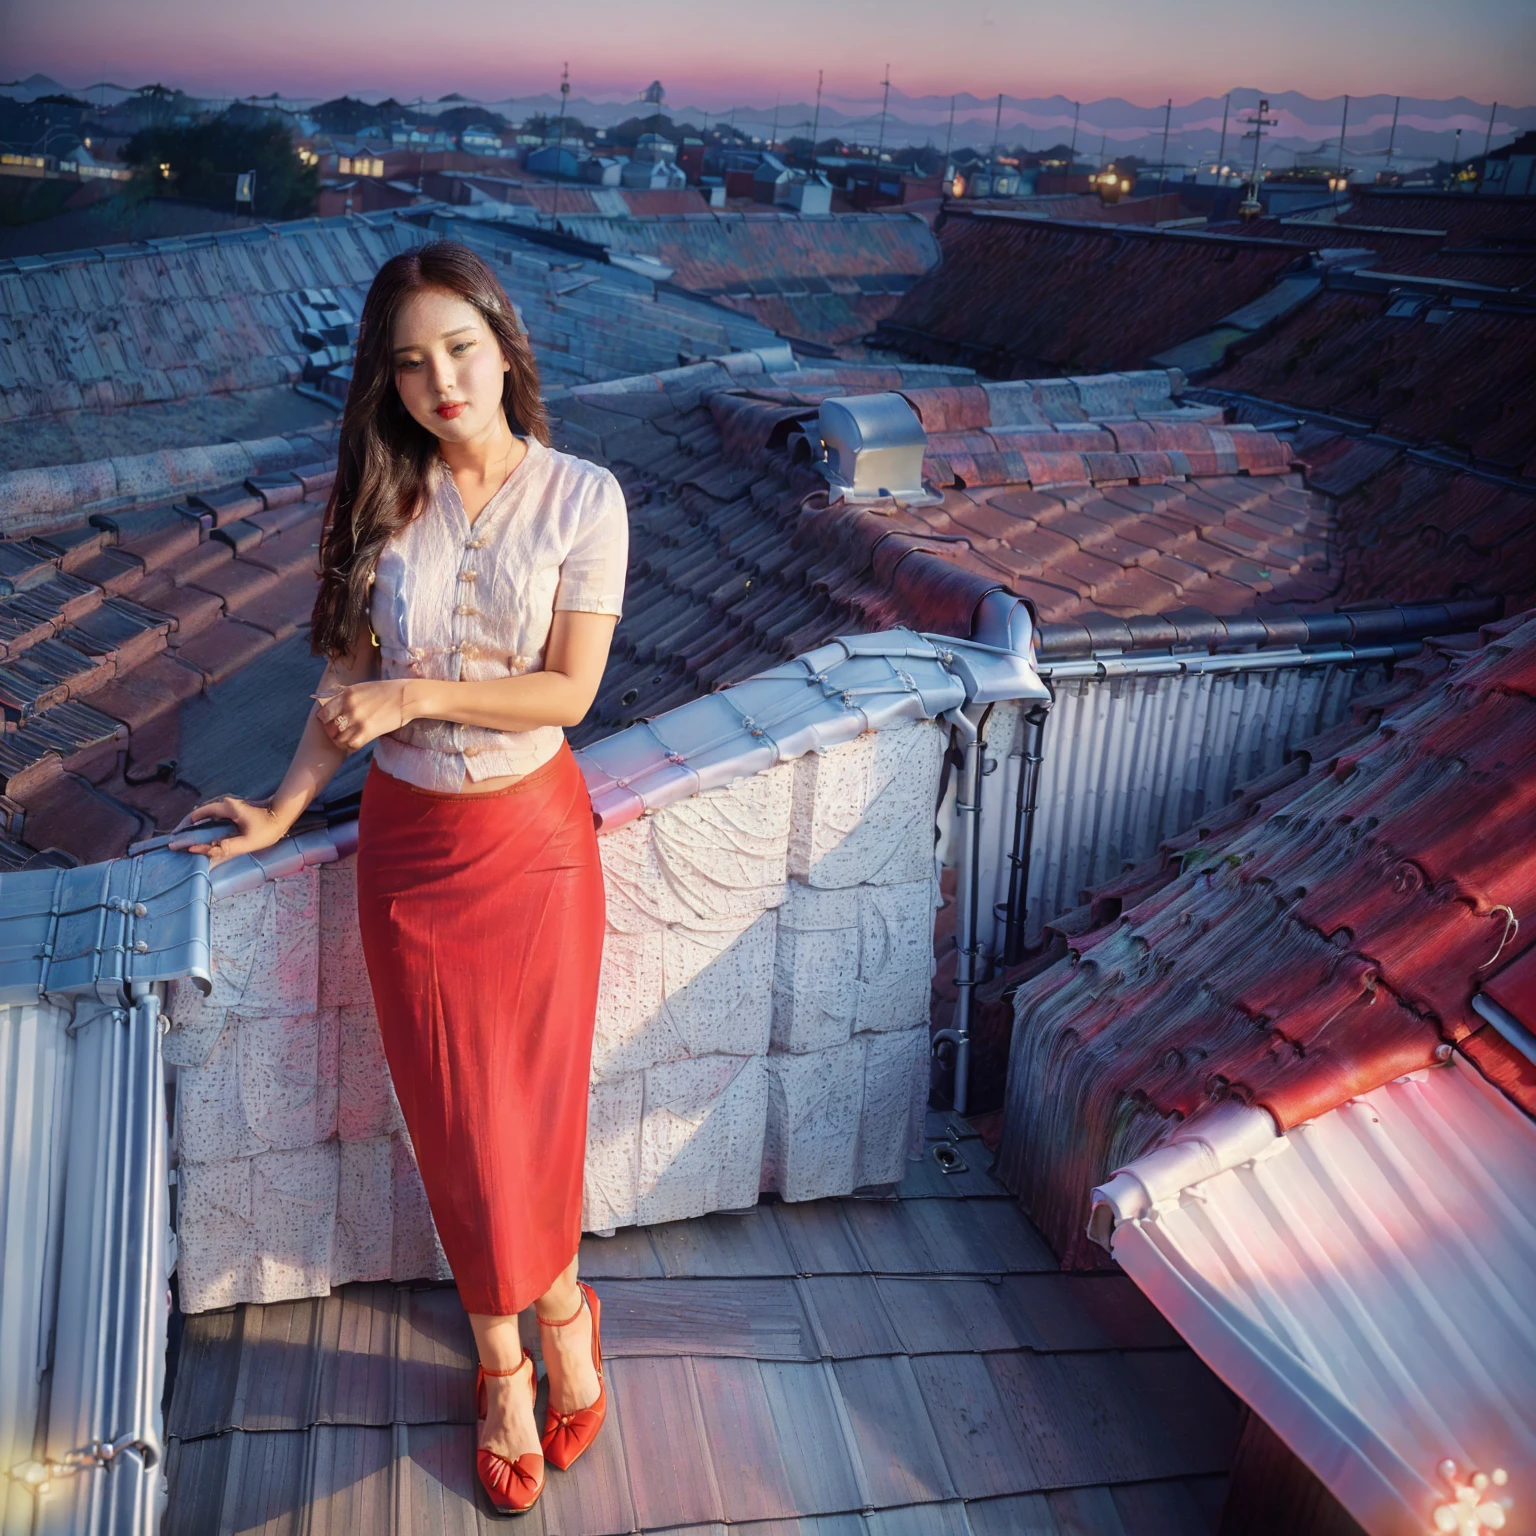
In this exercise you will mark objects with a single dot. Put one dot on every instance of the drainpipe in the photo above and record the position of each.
(967, 805)
(1024, 834)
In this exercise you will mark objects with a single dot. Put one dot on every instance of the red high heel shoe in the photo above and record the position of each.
(567, 1435)
(513, 1487)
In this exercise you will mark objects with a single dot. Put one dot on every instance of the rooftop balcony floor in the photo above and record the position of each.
(915, 1365)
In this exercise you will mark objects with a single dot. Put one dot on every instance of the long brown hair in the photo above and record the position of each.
(385, 454)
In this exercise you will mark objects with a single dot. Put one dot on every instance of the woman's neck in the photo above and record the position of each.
(482, 455)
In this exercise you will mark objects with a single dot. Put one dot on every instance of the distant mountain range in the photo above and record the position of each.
(1426, 129)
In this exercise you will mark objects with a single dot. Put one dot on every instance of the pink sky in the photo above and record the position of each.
(717, 55)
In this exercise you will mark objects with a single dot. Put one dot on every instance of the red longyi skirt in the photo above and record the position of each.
(482, 925)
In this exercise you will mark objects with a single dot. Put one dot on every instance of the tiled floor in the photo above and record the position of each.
(900, 1367)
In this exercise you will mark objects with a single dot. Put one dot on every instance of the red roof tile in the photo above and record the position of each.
(1466, 378)
(1306, 945)
(1022, 298)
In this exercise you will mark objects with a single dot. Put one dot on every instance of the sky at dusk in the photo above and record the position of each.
(714, 53)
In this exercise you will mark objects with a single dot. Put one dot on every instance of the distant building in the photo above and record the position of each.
(652, 176)
(986, 180)
(403, 137)
(690, 156)
(604, 170)
(809, 193)
(653, 166)
(556, 160)
(480, 141)
(1511, 171)
(365, 194)
(771, 180)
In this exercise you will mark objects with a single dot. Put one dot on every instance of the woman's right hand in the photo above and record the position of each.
(257, 827)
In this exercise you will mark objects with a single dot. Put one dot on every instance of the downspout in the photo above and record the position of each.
(967, 805)
(1026, 803)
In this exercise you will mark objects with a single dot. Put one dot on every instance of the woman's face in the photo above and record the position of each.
(448, 365)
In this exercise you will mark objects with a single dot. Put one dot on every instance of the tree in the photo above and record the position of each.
(346, 115)
(547, 125)
(203, 160)
(457, 119)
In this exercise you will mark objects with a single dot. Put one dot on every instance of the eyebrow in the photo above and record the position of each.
(411, 346)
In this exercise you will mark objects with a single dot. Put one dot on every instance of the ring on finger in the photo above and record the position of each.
(341, 722)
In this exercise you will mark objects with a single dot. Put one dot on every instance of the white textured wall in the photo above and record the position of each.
(762, 1024)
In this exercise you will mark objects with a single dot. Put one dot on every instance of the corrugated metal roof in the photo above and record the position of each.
(1364, 1284)
(892, 1366)
(84, 1225)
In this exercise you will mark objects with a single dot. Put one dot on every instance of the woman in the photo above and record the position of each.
(471, 579)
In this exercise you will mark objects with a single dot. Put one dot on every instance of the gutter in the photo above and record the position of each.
(1506, 1024)
(968, 806)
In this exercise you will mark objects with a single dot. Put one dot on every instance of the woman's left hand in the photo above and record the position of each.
(362, 712)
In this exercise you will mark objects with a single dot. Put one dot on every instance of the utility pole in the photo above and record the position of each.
(816, 121)
(1455, 158)
(950, 136)
(774, 136)
(1077, 108)
(1103, 139)
(1221, 154)
(1343, 129)
(1487, 148)
(1162, 170)
(884, 103)
(1392, 136)
(1256, 133)
(565, 91)
(997, 129)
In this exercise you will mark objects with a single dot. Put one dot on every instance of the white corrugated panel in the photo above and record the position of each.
(1131, 761)
(35, 1058)
(1367, 1286)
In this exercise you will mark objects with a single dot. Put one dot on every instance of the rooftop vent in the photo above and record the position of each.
(872, 449)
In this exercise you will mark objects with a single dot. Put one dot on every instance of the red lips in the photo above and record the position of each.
(449, 409)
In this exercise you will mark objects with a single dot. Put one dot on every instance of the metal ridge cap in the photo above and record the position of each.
(1106, 227)
(764, 720)
(1375, 279)
(289, 856)
(1071, 648)
(1221, 1138)
(1172, 663)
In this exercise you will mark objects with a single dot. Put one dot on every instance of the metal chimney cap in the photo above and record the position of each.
(872, 449)
(872, 421)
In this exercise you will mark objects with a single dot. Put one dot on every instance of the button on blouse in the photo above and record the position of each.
(465, 602)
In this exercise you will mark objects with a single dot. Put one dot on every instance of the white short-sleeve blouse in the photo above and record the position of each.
(466, 602)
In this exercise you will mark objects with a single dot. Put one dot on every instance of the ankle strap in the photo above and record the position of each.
(581, 1307)
(516, 1370)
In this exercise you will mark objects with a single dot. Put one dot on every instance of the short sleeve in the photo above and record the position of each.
(592, 573)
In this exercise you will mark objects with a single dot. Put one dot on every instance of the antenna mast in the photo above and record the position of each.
(565, 91)
(816, 120)
(1256, 132)
(884, 103)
